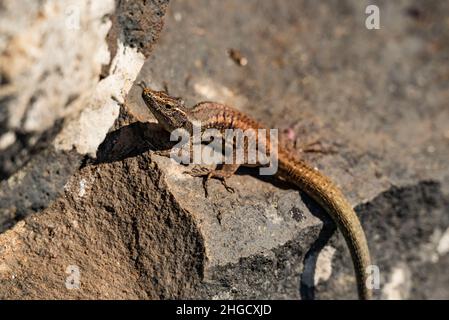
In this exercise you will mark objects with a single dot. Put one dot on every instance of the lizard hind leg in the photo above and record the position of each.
(222, 174)
(317, 146)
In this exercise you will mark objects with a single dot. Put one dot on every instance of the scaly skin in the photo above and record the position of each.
(172, 114)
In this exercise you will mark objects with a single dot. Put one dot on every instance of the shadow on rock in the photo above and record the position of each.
(132, 140)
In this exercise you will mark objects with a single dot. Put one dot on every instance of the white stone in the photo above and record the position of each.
(443, 244)
(399, 285)
(7, 139)
(323, 270)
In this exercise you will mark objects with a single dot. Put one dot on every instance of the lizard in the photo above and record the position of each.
(171, 113)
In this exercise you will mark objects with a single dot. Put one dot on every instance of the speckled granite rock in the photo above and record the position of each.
(137, 227)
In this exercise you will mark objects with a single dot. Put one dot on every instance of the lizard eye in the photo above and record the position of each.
(168, 106)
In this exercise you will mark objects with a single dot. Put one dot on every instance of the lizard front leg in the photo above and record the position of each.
(222, 174)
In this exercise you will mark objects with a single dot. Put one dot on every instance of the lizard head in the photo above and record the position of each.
(169, 111)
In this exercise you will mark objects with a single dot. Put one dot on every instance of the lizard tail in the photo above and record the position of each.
(329, 196)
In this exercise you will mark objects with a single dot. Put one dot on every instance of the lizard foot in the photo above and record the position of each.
(317, 147)
(208, 174)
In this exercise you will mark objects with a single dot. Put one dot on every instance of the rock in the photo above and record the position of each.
(48, 84)
(131, 224)
(78, 61)
(131, 253)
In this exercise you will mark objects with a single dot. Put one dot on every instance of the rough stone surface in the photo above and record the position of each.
(40, 84)
(78, 63)
(137, 227)
(144, 244)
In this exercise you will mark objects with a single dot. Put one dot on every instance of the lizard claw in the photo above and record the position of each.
(203, 173)
(228, 187)
(208, 174)
(317, 147)
(142, 84)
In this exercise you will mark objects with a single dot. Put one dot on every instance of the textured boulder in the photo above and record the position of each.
(87, 193)
(65, 70)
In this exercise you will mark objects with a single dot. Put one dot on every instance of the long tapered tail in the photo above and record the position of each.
(329, 196)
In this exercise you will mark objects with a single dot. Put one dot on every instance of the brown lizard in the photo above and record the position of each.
(172, 114)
